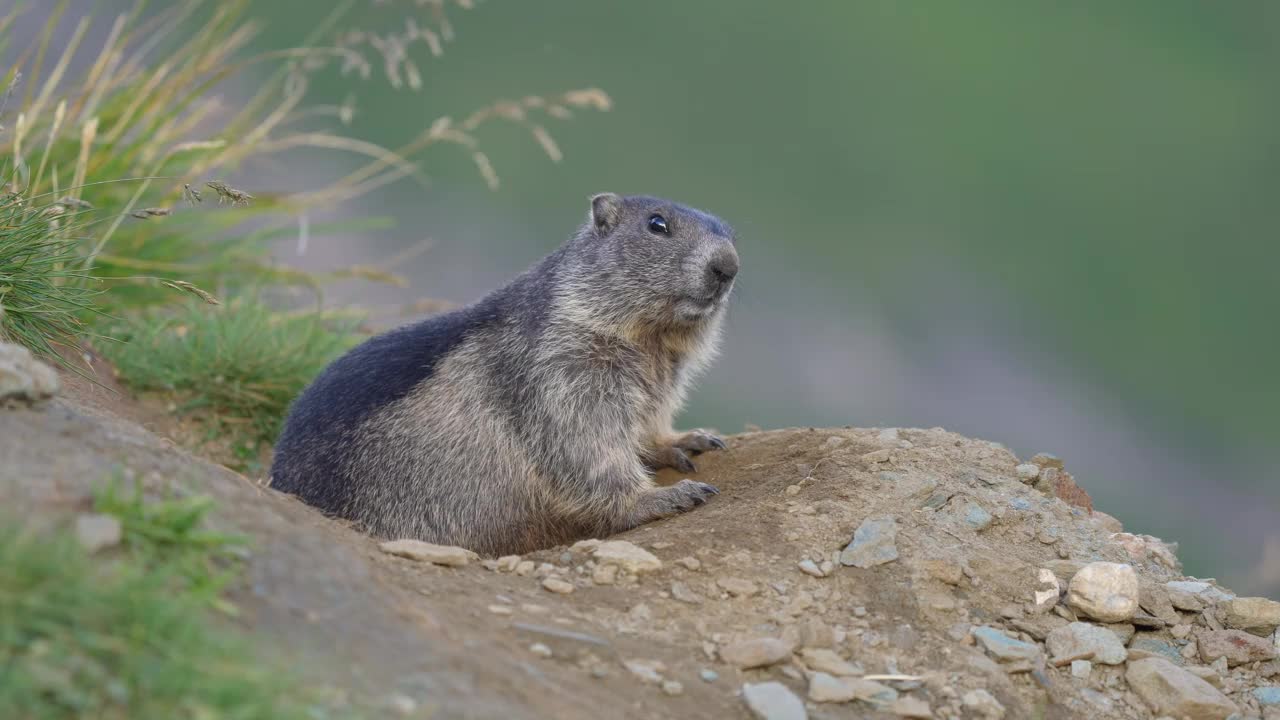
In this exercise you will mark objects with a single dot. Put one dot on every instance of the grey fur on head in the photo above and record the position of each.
(536, 415)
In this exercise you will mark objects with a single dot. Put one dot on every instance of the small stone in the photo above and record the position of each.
(1267, 696)
(824, 688)
(604, 574)
(1237, 646)
(1206, 591)
(874, 543)
(1081, 669)
(1106, 522)
(540, 649)
(1154, 598)
(23, 377)
(983, 704)
(827, 661)
(1170, 690)
(888, 435)
(1048, 536)
(684, 593)
(689, 563)
(525, 568)
(738, 587)
(649, 671)
(1027, 472)
(1079, 639)
(673, 688)
(558, 586)
(809, 567)
(793, 490)
(545, 569)
(709, 675)
(1206, 674)
(909, 706)
(1045, 460)
(583, 547)
(500, 609)
(1124, 631)
(1255, 615)
(755, 652)
(507, 563)
(877, 456)
(1155, 645)
(1104, 591)
(1004, 648)
(977, 517)
(827, 567)
(97, 531)
(447, 555)
(1047, 588)
(562, 641)
(773, 701)
(1180, 632)
(872, 692)
(629, 557)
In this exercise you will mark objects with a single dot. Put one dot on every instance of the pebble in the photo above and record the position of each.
(684, 593)
(827, 661)
(558, 586)
(23, 377)
(540, 649)
(977, 517)
(689, 563)
(1027, 472)
(1169, 690)
(1081, 669)
(878, 456)
(1237, 646)
(604, 574)
(773, 701)
(738, 587)
(525, 568)
(1004, 648)
(1104, 591)
(872, 692)
(793, 490)
(97, 531)
(983, 704)
(1267, 696)
(824, 688)
(628, 556)
(1199, 588)
(649, 671)
(500, 609)
(709, 675)
(1256, 615)
(1047, 588)
(671, 687)
(809, 567)
(909, 706)
(874, 543)
(447, 555)
(755, 652)
(1155, 645)
(1078, 638)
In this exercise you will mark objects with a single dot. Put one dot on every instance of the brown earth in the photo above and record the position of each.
(463, 642)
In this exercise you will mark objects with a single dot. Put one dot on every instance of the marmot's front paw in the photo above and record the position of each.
(688, 494)
(697, 441)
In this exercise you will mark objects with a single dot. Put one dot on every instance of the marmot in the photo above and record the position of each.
(534, 416)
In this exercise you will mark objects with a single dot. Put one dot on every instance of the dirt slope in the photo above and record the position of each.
(488, 640)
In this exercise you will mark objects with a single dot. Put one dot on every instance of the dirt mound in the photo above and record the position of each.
(869, 573)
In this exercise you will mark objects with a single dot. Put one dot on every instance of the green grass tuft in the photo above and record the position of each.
(127, 634)
(43, 294)
(239, 364)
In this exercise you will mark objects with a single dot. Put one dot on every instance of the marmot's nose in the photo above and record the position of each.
(724, 265)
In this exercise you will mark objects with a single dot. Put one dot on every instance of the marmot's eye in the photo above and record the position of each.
(658, 225)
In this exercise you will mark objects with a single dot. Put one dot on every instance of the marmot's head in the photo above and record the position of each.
(653, 262)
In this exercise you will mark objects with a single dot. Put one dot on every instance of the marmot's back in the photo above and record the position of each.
(535, 415)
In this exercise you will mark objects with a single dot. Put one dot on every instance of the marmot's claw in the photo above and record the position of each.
(697, 441)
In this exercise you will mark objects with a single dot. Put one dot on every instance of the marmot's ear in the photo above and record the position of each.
(606, 209)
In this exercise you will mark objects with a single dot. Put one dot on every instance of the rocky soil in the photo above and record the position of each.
(840, 573)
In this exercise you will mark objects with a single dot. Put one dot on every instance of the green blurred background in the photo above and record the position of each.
(1047, 224)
